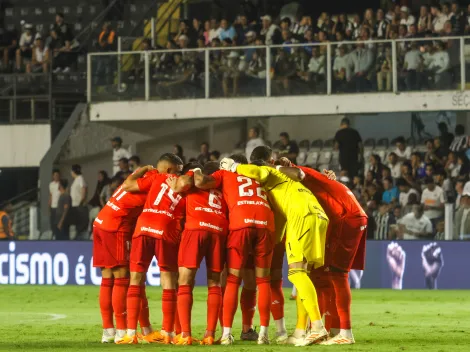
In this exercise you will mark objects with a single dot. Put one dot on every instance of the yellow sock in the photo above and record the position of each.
(302, 315)
(306, 293)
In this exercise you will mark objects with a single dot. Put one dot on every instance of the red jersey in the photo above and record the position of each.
(163, 210)
(206, 210)
(247, 201)
(334, 197)
(122, 210)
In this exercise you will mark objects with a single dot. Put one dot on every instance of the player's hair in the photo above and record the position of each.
(190, 166)
(239, 158)
(135, 158)
(262, 152)
(171, 158)
(258, 162)
(77, 169)
(210, 167)
(63, 183)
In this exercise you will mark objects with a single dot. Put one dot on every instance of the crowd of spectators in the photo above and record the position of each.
(34, 52)
(358, 64)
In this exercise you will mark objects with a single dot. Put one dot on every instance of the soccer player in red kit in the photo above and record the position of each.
(157, 233)
(344, 250)
(204, 236)
(112, 233)
(251, 237)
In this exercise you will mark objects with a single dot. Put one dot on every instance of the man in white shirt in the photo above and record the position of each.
(406, 18)
(79, 210)
(433, 199)
(254, 140)
(439, 19)
(54, 195)
(405, 191)
(440, 65)
(394, 165)
(341, 71)
(402, 151)
(412, 65)
(415, 225)
(118, 153)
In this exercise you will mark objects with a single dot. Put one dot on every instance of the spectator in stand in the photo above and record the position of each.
(382, 25)
(457, 18)
(394, 165)
(299, 29)
(227, 31)
(355, 27)
(362, 61)
(405, 191)
(289, 149)
(462, 219)
(254, 140)
(9, 44)
(198, 28)
(109, 190)
(349, 143)
(63, 29)
(440, 151)
(40, 57)
(124, 169)
(25, 51)
(452, 167)
(242, 28)
(441, 180)
(134, 162)
(106, 42)
(341, 69)
(460, 142)
(270, 31)
(433, 199)
(376, 167)
(79, 210)
(118, 153)
(463, 165)
(384, 70)
(415, 225)
(383, 220)
(406, 17)
(342, 24)
(425, 19)
(417, 166)
(402, 151)
(139, 64)
(445, 136)
(54, 195)
(459, 185)
(214, 155)
(64, 205)
(412, 67)
(390, 194)
(439, 19)
(205, 155)
(95, 201)
(412, 200)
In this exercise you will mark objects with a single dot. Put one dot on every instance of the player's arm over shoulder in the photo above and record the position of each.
(131, 184)
(207, 181)
(182, 183)
(294, 173)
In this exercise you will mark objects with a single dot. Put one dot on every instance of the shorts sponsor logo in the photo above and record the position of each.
(256, 222)
(205, 224)
(99, 221)
(150, 230)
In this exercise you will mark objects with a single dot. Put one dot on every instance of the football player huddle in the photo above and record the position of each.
(243, 219)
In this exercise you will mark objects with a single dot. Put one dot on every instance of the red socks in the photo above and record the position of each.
(230, 300)
(169, 310)
(134, 301)
(277, 300)
(106, 303)
(248, 306)
(214, 305)
(120, 302)
(343, 298)
(185, 305)
(144, 316)
(177, 323)
(221, 310)
(264, 299)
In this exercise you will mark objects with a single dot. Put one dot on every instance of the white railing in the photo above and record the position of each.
(145, 75)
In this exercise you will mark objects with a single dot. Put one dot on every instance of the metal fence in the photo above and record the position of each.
(400, 65)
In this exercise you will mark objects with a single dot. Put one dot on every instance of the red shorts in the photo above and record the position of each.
(198, 244)
(254, 243)
(278, 255)
(110, 249)
(145, 247)
(346, 243)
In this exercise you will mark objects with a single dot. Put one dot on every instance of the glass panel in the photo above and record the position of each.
(237, 72)
(112, 81)
(428, 64)
(298, 70)
(177, 75)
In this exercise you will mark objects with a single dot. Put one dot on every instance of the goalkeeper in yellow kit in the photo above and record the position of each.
(306, 229)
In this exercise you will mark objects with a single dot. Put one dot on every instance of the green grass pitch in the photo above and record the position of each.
(52, 318)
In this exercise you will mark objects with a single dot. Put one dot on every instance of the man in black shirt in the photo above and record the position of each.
(61, 230)
(64, 30)
(289, 149)
(349, 143)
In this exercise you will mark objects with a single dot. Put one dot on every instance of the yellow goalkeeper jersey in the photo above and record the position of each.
(289, 199)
